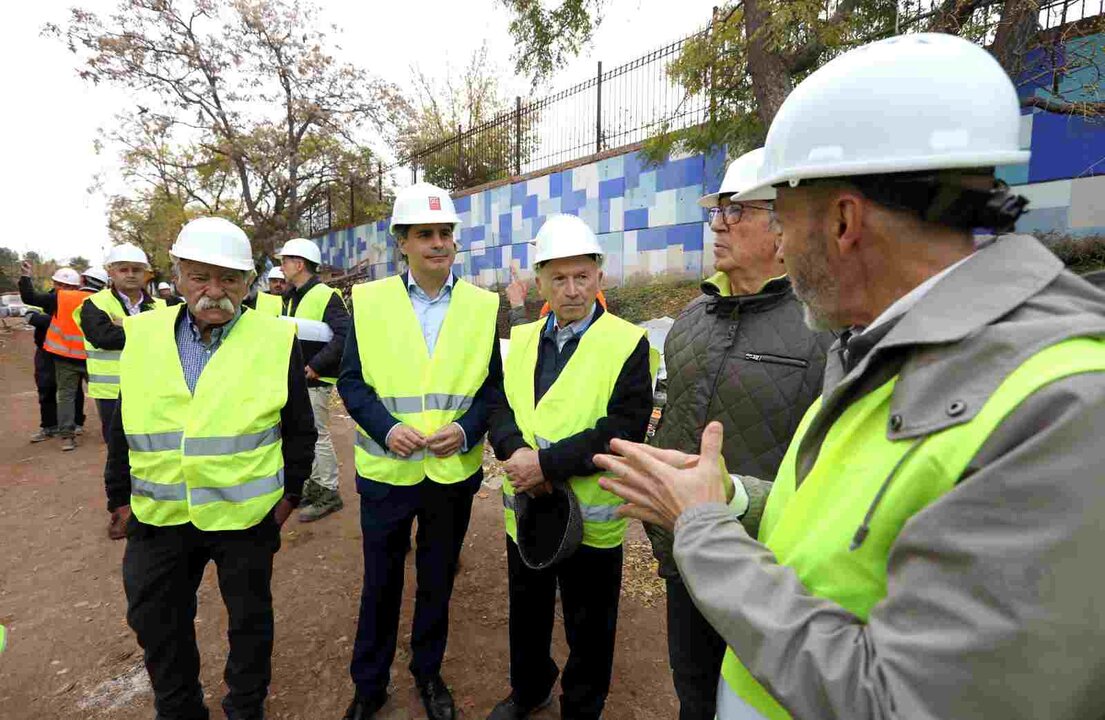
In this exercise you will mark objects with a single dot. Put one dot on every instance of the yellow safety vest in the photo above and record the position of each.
(214, 458)
(313, 307)
(103, 365)
(814, 530)
(424, 392)
(269, 304)
(575, 402)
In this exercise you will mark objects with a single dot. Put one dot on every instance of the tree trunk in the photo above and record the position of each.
(766, 65)
(1016, 34)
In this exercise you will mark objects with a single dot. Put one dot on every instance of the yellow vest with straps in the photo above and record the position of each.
(575, 402)
(424, 392)
(836, 530)
(313, 307)
(269, 304)
(103, 365)
(214, 458)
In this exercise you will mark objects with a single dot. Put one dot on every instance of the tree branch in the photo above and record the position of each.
(1062, 107)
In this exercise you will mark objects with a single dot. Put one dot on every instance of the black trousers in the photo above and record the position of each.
(47, 385)
(106, 409)
(695, 652)
(590, 583)
(387, 512)
(162, 569)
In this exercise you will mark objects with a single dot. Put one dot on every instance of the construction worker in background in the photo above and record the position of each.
(272, 302)
(45, 378)
(572, 382)
(94, 279)
(65, 344)
(927, 550)
(165, 292)
(205, 463)
(100, 318)
(416, 377)
(742, 335)
(323, 340)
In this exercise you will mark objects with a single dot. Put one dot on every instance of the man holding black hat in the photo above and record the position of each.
(573, 381)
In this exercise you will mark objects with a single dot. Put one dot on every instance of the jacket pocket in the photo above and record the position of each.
(777, 360)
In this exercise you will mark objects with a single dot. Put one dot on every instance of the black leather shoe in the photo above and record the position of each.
(365, 707)
(511, 709)
(436, 698)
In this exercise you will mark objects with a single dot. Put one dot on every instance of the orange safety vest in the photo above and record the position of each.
(64, 336)
(600, 298)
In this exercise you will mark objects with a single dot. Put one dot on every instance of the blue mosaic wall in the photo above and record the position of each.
(646, 216)
(649, 223)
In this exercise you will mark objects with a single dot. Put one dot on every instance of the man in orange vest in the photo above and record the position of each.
(65, 343)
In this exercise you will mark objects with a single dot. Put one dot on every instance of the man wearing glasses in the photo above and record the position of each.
(739, 353)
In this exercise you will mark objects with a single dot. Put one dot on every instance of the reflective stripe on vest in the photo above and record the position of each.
(103, 365)
(575, 402)
(213, 458)
(590, 513)
(821, 530)
(312, 306)
(424, 392)
(63, 336)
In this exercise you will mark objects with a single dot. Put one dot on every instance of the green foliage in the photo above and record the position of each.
(547, 37)
(79, 263)
(1081, 254)
(9, 269)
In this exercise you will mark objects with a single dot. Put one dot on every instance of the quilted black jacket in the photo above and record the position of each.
(748, 361)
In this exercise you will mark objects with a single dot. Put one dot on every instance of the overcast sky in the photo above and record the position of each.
(51, 117)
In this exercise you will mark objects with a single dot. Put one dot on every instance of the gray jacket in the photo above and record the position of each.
(750, 362)
(995, 605)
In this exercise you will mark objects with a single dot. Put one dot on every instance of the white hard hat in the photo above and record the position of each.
(68, 276)
(277, 273)
(301, 248)
(423, 204)
(127, 252)
(215, 241)
(164, 286)
(909, 103)
(96, 273)
(565, 236)
(742, 173)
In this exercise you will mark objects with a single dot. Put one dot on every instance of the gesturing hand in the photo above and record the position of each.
(446, 441)
(660, 485)
(516, 290)
(404, 440)
(524, 470)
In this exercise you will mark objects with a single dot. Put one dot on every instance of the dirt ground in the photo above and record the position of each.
(71, 655)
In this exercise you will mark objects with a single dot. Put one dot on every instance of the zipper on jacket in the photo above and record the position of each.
(777, 360)
(865, 527)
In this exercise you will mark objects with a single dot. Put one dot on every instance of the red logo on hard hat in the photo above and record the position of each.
(435, 203)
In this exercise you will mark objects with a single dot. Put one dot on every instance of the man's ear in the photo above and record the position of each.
(847, 215)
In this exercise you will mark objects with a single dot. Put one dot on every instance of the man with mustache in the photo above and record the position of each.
(416, 375)
(929, 544)
(738, 353)
(211, 443)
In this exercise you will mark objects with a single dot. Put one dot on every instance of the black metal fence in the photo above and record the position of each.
(634, 101)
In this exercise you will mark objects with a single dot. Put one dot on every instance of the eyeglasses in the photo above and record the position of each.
(733, 212)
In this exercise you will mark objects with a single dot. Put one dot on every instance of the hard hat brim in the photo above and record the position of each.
(549, 528)
(222, 261)
(843, 170)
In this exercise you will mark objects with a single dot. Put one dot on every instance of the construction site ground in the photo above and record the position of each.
(71, 654)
